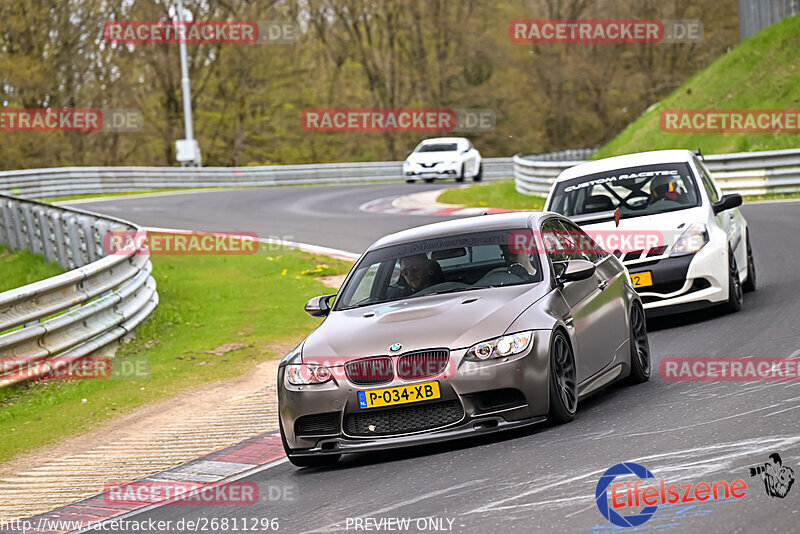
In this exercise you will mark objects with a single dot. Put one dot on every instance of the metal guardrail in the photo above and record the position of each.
(82, 312)
(66, 181)
(751, 173)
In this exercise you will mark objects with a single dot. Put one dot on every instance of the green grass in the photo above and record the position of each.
(771, 196)
(503, 195)
(762, 72)
(205, 302)
(496, 195)
(21, 267)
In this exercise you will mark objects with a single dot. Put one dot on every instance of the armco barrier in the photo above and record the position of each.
(66, 181)
(82, 312)
(752, 173)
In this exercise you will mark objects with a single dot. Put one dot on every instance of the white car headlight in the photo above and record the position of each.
(691, 240)
(501, 346)
(302, 375)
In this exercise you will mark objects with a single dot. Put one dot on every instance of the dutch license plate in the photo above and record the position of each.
(398, 395)
(642, 279)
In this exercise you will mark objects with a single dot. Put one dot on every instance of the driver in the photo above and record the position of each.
(664, 188)
(417, 271)
(517, 263)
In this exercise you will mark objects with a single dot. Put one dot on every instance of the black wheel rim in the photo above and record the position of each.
(736, 285)
(565, 374)
(640, 343)
(751, 267)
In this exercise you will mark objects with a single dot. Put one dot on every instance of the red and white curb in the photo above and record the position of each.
(424, 203)
(231, 463)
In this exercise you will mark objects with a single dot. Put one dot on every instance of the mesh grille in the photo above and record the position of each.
(370, 370)
(317, 424)
(422, 364)
(404, 420)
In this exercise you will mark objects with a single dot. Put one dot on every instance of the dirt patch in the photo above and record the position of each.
(147, 440)
(227, 347)
(335, 281)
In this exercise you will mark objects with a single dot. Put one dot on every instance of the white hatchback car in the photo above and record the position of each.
(704, 255)
(443, 157)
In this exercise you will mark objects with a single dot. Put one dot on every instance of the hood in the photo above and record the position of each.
(433, 157)
(670, 224)
(455, 321)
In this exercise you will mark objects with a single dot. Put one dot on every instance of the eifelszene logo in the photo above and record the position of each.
(655, 493)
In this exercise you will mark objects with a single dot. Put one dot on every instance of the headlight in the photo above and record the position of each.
(691, 240)
(301, 375)
(501, 346)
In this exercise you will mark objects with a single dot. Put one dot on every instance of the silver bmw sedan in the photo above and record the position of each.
(459, 328)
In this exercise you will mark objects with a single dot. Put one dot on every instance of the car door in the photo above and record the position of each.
(586, 299)
(727, 219)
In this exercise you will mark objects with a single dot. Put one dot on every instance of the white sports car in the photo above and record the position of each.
(703, 256)
(443, 157)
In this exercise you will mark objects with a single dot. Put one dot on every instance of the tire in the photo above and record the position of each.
(750, 282)
(460, 178)
(430, 180)
(410, 181)
(640, 347)
(734, 303)
(478, 177)
(306, 461)
(563, 390)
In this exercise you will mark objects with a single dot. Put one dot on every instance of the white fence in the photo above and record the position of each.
(83, 312)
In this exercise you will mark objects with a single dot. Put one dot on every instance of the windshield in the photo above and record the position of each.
(636, 191)
(439, 147)
(443, 265)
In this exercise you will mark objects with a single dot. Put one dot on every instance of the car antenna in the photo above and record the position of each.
(699, 153)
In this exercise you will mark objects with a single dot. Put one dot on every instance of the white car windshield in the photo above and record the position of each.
(443, 265)
(438, 147)
(636, 191)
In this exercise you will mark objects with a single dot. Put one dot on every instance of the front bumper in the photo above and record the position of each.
(490, 396)
(441, 170)
(684, 283)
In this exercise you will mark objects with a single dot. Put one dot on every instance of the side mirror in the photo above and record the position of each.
(577, 270)
(727, 202)
(319, 306)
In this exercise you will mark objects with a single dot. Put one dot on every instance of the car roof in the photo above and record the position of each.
(482, 223)
(436, 140)
(628, 160)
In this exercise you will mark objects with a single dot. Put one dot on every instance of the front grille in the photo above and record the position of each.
(370, 370)
(422, 364)
(430, 165)
(403, 420)
(319, 424)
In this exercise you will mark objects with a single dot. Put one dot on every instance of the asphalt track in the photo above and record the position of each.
(540, 479)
